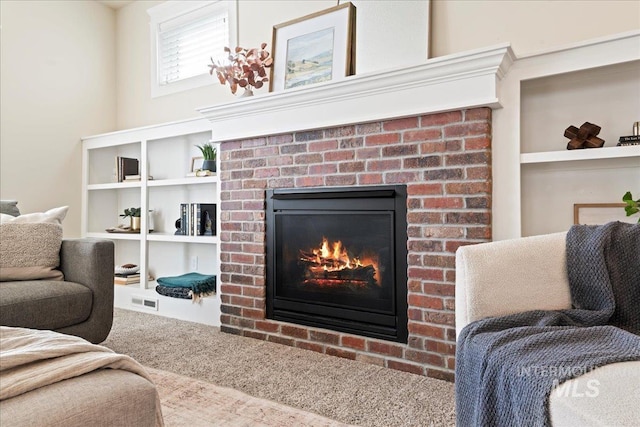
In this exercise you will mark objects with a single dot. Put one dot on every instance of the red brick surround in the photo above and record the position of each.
(445, 161)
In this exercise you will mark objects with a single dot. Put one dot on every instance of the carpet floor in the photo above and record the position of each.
(343, 390)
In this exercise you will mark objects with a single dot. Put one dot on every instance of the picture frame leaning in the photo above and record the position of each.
(600, 213)
(314, 48)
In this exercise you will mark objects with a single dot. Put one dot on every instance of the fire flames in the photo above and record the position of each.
(331, 265)
(337, 256)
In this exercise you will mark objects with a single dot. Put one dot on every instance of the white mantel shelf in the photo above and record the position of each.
(465, 80)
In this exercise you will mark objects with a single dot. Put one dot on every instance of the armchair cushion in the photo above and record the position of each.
(42, 304)
(30, 245)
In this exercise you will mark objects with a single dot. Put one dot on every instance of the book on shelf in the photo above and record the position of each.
(629, 140)
(126, 279)
(126, 166)
(137, 177)
(184, 214)
(198, 219)
(129, 279)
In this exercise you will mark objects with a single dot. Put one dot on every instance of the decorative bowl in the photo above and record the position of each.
(126, 269)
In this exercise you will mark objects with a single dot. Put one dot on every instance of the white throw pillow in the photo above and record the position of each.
(52, 216)
(30, 245)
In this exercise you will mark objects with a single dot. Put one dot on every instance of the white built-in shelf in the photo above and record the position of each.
(114, 185)
(156, 237)
(536, 181)
(183, 181)
(114, 236)
(585, 154)
(164, 237)
(165, 151)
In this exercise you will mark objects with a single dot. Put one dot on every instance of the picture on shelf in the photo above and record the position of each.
(305, 67)
(599, 213)
(315, 48)
(196, 164)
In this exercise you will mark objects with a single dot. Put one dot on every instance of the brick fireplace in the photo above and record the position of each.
(444, 159)
(425, 128)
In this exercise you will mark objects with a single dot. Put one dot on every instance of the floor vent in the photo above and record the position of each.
(147, 303)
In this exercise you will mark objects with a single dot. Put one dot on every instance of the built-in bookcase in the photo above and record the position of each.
(166, 154)
(536, 179)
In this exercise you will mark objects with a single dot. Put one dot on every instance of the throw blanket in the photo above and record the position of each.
(506, 367)
(199, 285)
(30, 359)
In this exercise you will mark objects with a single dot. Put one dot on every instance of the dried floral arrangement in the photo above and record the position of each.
(244, 67)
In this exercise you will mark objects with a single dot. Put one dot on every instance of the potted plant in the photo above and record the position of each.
(633, 206)
(244, 67)
(134, 214)
(210, 154)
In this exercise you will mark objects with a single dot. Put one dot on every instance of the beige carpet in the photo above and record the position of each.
(187, 402)
(344, 390)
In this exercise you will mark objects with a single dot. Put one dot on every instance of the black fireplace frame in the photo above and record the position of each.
(386, 198)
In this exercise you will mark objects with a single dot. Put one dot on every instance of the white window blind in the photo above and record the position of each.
(185, 47)
(184, 35)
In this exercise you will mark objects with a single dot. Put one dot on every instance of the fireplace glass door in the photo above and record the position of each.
(337, 259)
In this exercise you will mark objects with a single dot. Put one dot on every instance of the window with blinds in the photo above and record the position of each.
(185, 35)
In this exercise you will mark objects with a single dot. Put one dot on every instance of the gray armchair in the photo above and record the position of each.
(81, 305)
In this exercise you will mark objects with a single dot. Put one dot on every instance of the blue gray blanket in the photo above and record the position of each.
(506, 367)
(197, 285)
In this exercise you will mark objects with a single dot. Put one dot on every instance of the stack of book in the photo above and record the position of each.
(126, 279)
(126, 166)
(629, 140)
(128, 178)
(197, 219)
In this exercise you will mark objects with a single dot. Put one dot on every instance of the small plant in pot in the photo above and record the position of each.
(209, 153)
(134, 214)
(633, 206)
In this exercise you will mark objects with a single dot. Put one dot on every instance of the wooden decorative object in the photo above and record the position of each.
(585, 137)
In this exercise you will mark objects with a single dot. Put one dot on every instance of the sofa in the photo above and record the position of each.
(81, 304)
(516, 276)
(48, 282)
(54, 379)
(52, 308)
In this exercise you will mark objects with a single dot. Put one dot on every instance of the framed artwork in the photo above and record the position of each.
(196, 163)
(315, 48)
(600, 213)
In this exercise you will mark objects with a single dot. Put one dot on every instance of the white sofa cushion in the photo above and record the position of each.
(606, 396)
(511, 276)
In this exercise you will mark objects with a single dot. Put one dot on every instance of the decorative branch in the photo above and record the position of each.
(243, 67)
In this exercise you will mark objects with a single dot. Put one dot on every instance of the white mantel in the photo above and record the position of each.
(465, 80)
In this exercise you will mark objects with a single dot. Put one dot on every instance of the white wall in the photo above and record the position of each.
(389, 34)
(76, 68)
(529, 25)
(58, 84)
